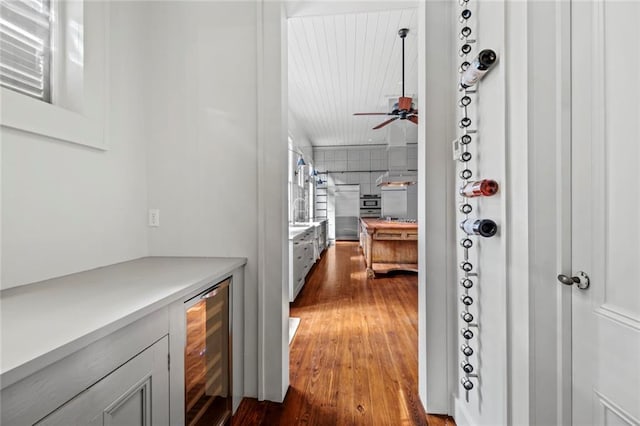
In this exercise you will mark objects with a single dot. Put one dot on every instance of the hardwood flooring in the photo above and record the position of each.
(353, 360)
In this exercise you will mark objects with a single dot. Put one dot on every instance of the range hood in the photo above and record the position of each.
(397, 178)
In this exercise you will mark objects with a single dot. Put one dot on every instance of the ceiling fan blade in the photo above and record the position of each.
(370, 113)
(404, 103)
(385, 123)
(413, 119)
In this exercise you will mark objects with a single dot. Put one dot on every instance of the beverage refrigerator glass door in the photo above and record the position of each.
(207, 357)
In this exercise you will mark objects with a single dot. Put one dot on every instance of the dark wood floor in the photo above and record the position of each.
(354, 358)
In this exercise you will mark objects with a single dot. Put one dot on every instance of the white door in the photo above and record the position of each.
(606, 211)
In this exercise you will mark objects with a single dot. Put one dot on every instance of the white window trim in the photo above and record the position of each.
(88, 127)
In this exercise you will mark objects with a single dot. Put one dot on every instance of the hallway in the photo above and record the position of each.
(353, 359)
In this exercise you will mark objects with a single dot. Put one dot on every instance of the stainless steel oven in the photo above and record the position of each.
(370, 205)
(370, 202)
(207, 357)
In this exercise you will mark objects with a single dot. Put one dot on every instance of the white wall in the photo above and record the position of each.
(539, 163)
(273, 286)
(519, 306)
(217, 158)
(487, 400)
(436, 249)
(196, 130)
(66, 207)
(202, 151)
(301, 142)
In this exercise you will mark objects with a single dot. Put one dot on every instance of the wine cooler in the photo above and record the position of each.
(208, 357)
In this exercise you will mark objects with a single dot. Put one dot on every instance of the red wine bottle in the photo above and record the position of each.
(484, 187)
(478, 68)
(482, 227)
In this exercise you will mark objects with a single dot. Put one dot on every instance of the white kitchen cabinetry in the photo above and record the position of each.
(306, 244)
(93, 348)
(135, 394)
(321, 237)
(301, 259)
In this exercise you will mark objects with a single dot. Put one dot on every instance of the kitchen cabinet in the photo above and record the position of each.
(306, 245)
(94, 347)
(136, 393)
(301, 258)
(320, 244)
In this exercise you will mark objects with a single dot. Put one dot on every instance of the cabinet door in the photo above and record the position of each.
(137, 393)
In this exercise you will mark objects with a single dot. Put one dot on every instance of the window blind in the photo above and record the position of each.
(25, 47)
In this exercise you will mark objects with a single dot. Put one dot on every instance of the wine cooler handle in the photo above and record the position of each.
(581, 280)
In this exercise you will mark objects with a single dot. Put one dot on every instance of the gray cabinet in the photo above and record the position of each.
(301, 259)
(105, 358)
(135, 394)
(321, 237)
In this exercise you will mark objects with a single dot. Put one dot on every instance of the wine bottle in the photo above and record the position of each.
(482, 227)
(484, 187)
(478, 68)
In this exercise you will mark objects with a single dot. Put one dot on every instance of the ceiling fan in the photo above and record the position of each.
(404, 108)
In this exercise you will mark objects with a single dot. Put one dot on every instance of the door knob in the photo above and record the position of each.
(581, 280)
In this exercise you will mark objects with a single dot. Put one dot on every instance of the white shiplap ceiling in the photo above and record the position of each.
(349, 59)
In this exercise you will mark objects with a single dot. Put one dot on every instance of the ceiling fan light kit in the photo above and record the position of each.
(471, 72)
(404, 109)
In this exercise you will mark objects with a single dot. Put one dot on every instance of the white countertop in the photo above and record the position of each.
(43, 322)
(299, 228)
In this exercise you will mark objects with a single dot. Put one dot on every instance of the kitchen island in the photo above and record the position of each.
(389, 245)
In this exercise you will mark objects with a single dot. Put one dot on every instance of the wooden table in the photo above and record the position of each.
(389, 245)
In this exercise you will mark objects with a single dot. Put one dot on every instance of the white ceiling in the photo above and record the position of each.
(346, 57)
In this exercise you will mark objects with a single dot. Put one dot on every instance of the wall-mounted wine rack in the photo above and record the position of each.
(471, 228)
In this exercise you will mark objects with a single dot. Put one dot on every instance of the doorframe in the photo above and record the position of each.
(563, 209)
(437, 336)
(271, 140)
(436, 295)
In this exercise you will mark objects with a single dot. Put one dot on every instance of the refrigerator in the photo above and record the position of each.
(347, 211)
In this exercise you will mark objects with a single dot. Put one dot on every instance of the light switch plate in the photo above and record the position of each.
(455, 145)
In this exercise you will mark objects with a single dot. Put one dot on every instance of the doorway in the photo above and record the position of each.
(434, 321)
